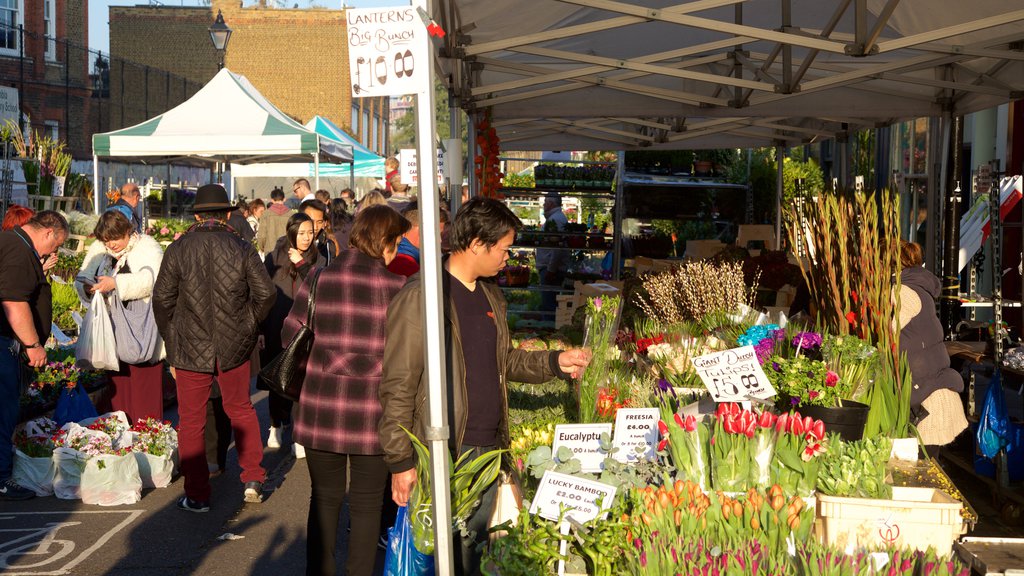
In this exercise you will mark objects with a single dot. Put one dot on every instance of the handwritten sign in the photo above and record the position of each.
(636, 428)
(733, 375)
(9, 109)
(584, 440)
(579, 495)
(388, 51)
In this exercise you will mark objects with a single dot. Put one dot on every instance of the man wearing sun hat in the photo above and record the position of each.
(209, 299)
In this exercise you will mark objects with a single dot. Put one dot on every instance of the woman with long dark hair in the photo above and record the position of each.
(288, 264)
(339, 409)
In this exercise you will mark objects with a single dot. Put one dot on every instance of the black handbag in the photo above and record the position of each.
(286, 372)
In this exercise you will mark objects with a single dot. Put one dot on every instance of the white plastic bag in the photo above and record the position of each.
(68, 466)
(155, 471)
(96, 348)
(35, 474)
(110, 480)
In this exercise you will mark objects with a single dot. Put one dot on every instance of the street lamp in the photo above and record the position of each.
(220, 34)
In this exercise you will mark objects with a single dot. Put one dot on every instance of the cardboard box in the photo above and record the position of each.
(701, 249)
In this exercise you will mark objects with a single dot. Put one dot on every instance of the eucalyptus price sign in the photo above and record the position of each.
(733, 375)
(388, 51)
(584, 440)
(584, 499)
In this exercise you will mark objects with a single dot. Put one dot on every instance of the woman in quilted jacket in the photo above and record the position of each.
(339, 409)
(126, 263)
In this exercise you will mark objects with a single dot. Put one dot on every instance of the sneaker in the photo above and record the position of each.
(191, 505)
(254, 492)
(298, 451)
(11, 490)
(274, 440)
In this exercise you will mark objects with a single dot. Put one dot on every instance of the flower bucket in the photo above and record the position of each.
(847, 421)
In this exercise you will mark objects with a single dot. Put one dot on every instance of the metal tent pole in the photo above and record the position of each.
(433, 337)
(96, 184)
(780, 152)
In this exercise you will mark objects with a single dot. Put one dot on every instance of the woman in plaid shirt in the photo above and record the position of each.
(339, 408)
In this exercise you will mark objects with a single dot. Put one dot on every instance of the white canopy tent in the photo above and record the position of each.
(227, 121)
(609, 74)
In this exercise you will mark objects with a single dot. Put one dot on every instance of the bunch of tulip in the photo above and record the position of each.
(741, 448)
(683, 510)
(698, 557)
(798, 443)
(685, 441)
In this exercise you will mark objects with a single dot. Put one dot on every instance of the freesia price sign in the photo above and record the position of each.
(635, 428)
(733, 375)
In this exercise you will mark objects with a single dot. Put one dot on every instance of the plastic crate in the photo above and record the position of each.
(915, 517)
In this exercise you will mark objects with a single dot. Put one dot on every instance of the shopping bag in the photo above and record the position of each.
(155, 471)
(135, 332)
(994, 426)
(507, 502)
(35, 474)
(111, 480)
(96, 348)
(68, 465)
(120, 433)
(402, 558)
(73, 405)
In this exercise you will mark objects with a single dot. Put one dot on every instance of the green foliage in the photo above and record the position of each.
(855, 469)
(519, 180)
(65, 301)
(813, 181)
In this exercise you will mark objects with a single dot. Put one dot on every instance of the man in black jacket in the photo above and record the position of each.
(210, 296)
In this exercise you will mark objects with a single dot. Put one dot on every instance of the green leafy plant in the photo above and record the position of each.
(855, 469)
(65, 301)
(601, 325)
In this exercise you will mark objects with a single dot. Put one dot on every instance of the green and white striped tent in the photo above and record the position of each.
(228, 121)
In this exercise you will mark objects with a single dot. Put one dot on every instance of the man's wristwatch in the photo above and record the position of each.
(36, 345)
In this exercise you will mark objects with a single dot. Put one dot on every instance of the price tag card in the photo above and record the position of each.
(580, 495)
(733, 375)
(636, 428)
(585, 442)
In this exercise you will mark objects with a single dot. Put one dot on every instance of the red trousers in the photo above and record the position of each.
(138, 390)
(193, 394)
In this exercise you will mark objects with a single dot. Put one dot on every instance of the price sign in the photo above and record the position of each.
(581, 496)
(408, 166)
(733, 375)
(636, 428)
(584, 440)
(388, 51)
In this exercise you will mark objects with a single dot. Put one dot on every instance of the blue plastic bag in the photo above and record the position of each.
(994, 427)
(73, 406)
(402, 558)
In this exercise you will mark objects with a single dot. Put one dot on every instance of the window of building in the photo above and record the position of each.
(355, 120)
(52, 129)
(50, 28)
(376, 134)
(364, 134)
(12, 15)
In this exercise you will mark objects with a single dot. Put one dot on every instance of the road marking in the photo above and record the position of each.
(46, 535)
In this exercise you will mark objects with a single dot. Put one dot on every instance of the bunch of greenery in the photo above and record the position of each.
(855, 469)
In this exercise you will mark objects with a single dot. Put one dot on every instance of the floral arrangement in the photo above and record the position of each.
(167, 229)
(798, 444)
(807, 382)
(110, 425)
(79, 438)
(741, 447)
(62, 374)
(35, 439)
(856, 469)
(154, 437)
(528, 438)
(697, 290)
(685, 442)
(763, 338)
(854, 360)
(601, 325)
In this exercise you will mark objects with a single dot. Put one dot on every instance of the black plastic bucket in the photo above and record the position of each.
(847, 421)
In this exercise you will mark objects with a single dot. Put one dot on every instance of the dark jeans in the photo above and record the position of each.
(10, 390)
(327, 471)
(468, 552)
(280, 409)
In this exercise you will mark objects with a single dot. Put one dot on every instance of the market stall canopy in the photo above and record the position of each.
(367, 164)
(228, 120)
(609, 74)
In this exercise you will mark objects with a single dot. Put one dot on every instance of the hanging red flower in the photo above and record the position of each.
(487, 166)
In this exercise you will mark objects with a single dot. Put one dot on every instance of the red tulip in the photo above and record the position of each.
(818, 430)
(690, 424)
(662, 427)
(782, 423)
(808, 423)
(766, 420)
(796, 426)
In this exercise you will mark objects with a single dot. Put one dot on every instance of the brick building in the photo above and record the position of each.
(42, 57)
(297, 58)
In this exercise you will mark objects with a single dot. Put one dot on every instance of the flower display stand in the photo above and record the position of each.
(915, 517)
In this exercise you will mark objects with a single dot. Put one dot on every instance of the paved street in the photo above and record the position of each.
(47, 536)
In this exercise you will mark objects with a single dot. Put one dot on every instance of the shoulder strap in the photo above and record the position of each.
(311, 307)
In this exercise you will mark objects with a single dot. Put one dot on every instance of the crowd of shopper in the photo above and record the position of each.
(231, 292)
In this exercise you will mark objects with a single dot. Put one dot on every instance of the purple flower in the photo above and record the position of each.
(597, 303)
(807, 340)
(794, 401)
(775, 366)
